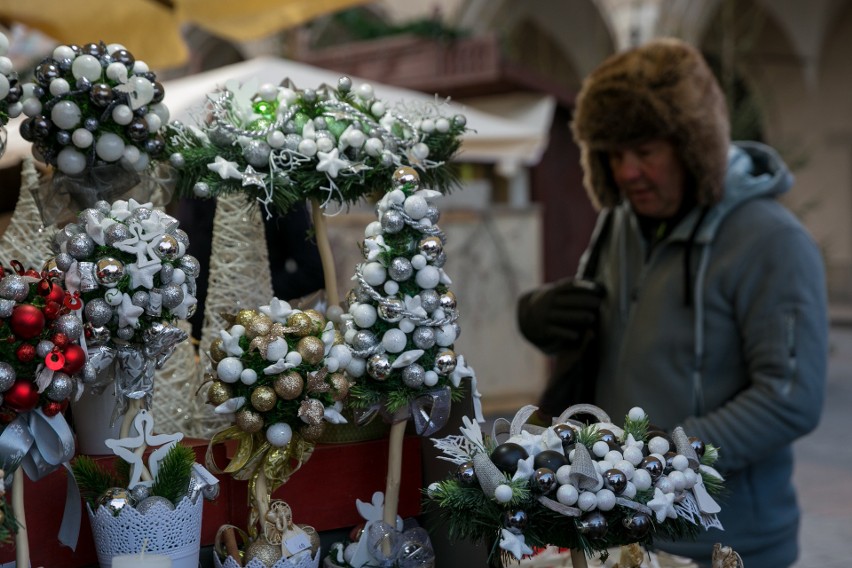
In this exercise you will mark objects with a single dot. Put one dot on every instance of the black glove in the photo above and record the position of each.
(558, 316)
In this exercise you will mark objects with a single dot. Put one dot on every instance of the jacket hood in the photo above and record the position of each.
(663, 89)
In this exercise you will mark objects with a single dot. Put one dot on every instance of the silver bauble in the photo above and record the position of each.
(140, 492)
(70, 325)
(181, 237)
(154, 501)
(63, 261)
(103, 206)
(89, 374)
(390, 309)
(97, 335)
(60, 387)
(423, 337)
(115, 499)
(320, 134)
(125, 333)
(386, 158)
(379, 367)
(6, 307)
(190, 265)
(51, 271)
(440, 260)
(221, 137)
(400, 269)
(430, 300)
(392, 221)
(167, 272)
(14, 287)
(430, 247)
(256, 153)
(177, 160)
(292, 141)
(445, 362)
(108, 271)
(448, 303)
(433, 214)
(140, 214)
(362, 295)
(7, 376)
(140, 298)
(86, 214)
(405, 176)
(166, 247)
(413, 376)
(116, 233)
(80, 246)
(364, 340)
(201, 189)
(98, 312)
(43, 348)
(172, 296)
(344, 84)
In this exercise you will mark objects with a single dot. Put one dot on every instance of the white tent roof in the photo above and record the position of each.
(518, 137)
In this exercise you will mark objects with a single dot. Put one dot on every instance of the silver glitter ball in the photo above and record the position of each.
(140, 492)
(140, 214)
(125, 333)
(430, 247)
(139, 298)
(320, 124)
(91, 213)
(63, 261)
(362, 295)
(201, 189)
(89, 374)
(167, 272)
(379, 367)
(344, 84)
(440, 261)
(364, 340)
(167, 247)
(423, 337)
(256, 153)
(80, 246)
(7, 376)
(181, 237)
(60, 387)
(445, 362)
(433, 214)
(172, 296)
(190, 265)
(430, 300)
(14, 287)
(103, 206)
(413, 376)
(72, 229)
(177, 160)
(6, 307)
(115, 499)
(221, 137)
(390, 309)
(116, 233)
(70, 325)
(448, 303)
(400, 269)
(98, 312)
(108, 271)
(326, 134)
(44, 347)
(149, 503)
(292, 141)
(392, 221)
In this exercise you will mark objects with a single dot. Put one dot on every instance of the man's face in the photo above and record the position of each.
(650, 176)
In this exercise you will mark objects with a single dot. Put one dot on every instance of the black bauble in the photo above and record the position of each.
(698, 446)
(565, 433)
(669, 457)
(637, 526)
(506, 457)
(593, 525)
(653, 466)
(544, 480)
(466, 474)
(515, 521)
(607, 436)
(615, 480)
(550, 459)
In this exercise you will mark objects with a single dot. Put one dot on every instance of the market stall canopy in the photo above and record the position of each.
(516, 139)
(151, 29)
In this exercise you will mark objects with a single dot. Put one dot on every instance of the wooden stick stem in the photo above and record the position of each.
(261, 496)
(22, 545)
(578, 558)
(326, 256)
(397, 434)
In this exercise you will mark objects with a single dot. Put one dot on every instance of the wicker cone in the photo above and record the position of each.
(240, 276)
(25, 239)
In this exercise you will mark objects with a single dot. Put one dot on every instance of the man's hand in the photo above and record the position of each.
(558, 316)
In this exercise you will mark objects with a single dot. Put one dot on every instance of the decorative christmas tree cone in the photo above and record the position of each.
(174, 533)
(25, 239)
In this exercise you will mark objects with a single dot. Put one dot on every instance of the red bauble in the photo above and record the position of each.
(60, 340)
(22, 397)
(57, 294)
(51, 310)
(52, 408)
(75, 358)
(27, 321)
(25, 352)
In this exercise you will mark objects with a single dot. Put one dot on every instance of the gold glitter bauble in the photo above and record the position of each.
(313, 535)
(338, 338)
(244, 317)
(339, 385)
(249, 421)
(318, 319)
(216, 351)
(312, 432)
(311, 349)
(300, 324)
(311, 411)
(261, 550)
(218, 393)
(289, 385)
(263, 399)
(259, 325)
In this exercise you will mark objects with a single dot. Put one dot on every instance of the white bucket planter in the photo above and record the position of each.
(173, 533)
(92, 414)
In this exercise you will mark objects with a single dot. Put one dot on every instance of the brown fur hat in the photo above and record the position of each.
(663, 89)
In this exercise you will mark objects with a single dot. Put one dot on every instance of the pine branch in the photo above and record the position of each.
(174, 474)
(92, 478)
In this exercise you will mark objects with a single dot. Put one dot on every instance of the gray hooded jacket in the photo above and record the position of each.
(723, 329)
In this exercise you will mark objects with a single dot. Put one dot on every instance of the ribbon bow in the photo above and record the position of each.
(430, 412)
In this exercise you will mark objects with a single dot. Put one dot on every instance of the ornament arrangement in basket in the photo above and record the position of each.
(94, 114)
(279, 373)
(587, 487)
(128, 262)
(10, 89)
(283, 145)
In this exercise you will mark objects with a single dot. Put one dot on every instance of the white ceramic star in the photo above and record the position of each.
(252, 177)
(230, 343)
(132, 244)
(152, 227)
(632, 442)
(330, 162)
(128, 312)
(182, 311)
(332, 413)
(462, 371)
(525, 469)
(661, 504)
(550, 441)
(514, 543)
(142, 273)
(375, 246)
(413, 306)
(131, 449)
(119, 210)
(407, 358)
(277, 310)
(526, 440)
(225, 168)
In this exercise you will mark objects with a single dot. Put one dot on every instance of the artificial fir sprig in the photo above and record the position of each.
(174, 473)
(94, 479)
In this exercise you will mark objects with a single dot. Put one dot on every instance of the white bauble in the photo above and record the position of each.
(396, 197)
(374, 147)
(407, 326)
(587, 501)
(642, 479)
(665, 485)
(636, 413)
(364, 91)
(294, 358)
(267, 92)
(658, 445)
(377, 108)
(374, 274)
(605, 500)
(229, 369)
(31, 106)
(600, 448)
(248, 376)
(63, 52)
(629, 491)
(116, 72)
(442, 125)
(356, 367)
(567, 494)
(122, 114)
(391, 287)
(86, 67)
(59, 87)
(427, 125)
(563, 475)
(430, 378)
(626, 467)
(678, 480)
(109, 147)
(394, 340)
(237, 330)
(428, 277)
(680, 462)
(324, 144)
(373, 229)
(279, 434)
(308, 147)
(418, 261)
(276, 139)
(342, 354)
(613, 456)
(415, 206)
(445, 335)
(503, 493)
(420, 151)
(690, 479)
(154, 122)
(364, 315)
(70, 161)
(634, 455)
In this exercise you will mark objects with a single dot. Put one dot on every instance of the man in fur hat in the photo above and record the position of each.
(710, 303)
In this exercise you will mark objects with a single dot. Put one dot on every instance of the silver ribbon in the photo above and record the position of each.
(38, 444)
(430, 412)
(683, 447)
(584, 474)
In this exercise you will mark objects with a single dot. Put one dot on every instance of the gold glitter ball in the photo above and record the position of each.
(218, 393)
(260, 549)
(263, 398)
(339, 385)
(317, 318)
(311, 411)
(313, 535)
(288, 385)
(300, 324)
(311, 349)
(216, 351)
(249, 421)
(259, 325)
(244, 317)
(312, 432)
(338, 338)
